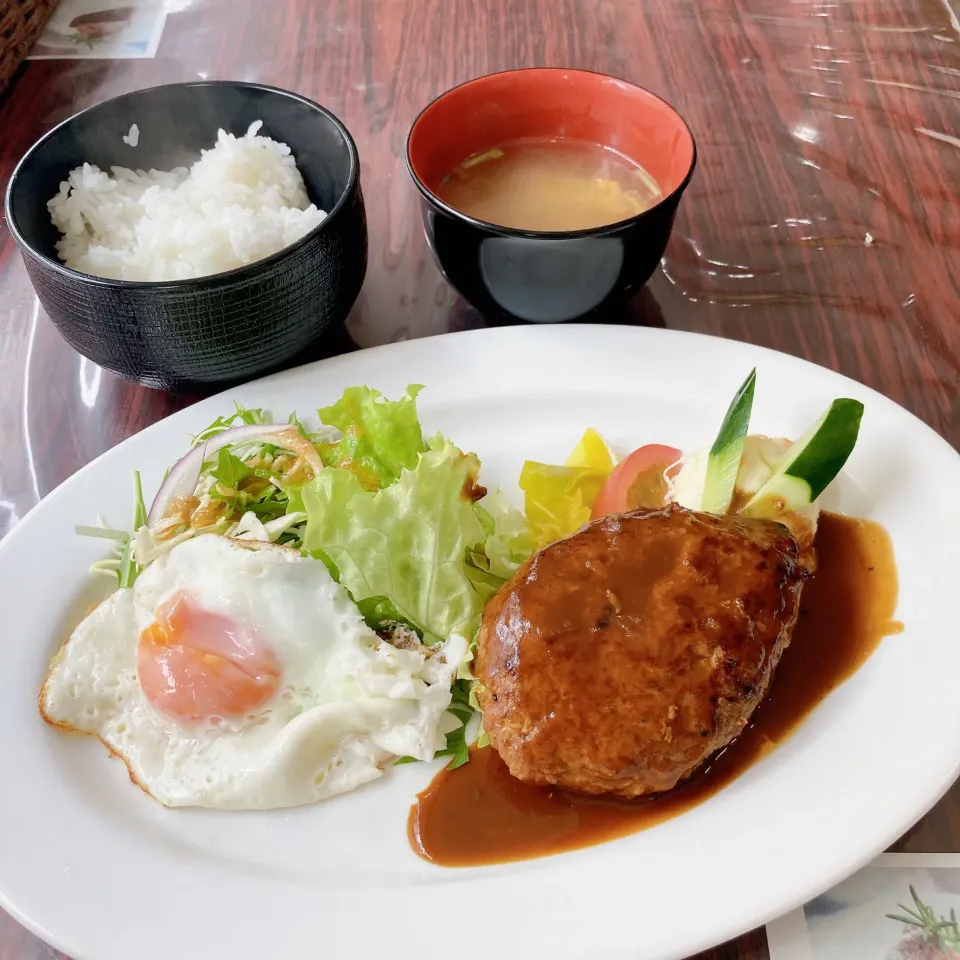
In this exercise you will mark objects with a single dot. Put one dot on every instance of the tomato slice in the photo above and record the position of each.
(637, 481)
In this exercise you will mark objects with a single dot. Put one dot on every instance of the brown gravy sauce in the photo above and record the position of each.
(479, 814)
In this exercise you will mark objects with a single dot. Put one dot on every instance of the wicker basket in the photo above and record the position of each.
(21, 23)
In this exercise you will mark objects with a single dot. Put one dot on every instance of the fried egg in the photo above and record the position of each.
(242, 676)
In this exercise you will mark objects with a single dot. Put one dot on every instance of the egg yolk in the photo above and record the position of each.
(196, 665)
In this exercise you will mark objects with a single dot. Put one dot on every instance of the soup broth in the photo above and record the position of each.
(549, 185)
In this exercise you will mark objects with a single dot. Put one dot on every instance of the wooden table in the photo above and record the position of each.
(823, 219)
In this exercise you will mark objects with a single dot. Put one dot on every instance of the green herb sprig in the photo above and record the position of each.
(935, 929)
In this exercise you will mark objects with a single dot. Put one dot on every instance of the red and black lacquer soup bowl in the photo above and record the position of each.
(511, 274)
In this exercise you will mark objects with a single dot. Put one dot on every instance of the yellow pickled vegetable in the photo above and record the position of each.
(592, 452)
(558, 499)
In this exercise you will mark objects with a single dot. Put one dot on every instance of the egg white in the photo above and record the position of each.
(347, 703)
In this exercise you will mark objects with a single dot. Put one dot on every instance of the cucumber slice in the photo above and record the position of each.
(811, 463)
(723, 462)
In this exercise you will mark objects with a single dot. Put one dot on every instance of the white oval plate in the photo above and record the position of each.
(104, 873)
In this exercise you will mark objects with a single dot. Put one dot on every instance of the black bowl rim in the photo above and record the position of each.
(607, 228)
(192, 283)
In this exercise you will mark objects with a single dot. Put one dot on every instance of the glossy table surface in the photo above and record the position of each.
(823, 219)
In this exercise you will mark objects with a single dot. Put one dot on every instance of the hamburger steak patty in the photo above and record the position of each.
(618, 660)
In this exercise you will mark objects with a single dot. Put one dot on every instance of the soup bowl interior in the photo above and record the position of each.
(550, 103)
(553, 275)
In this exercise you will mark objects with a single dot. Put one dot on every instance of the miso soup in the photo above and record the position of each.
(549, 185)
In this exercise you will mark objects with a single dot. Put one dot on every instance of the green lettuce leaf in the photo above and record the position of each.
(509, 541)
(477, 567)
(229, 470)
(406, 542)
(380, 438)
(243, 416)
(380, 612)
(457, 746)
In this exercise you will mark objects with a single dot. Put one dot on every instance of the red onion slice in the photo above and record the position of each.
(184, 475)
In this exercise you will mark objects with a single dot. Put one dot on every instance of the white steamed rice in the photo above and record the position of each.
(241, 201)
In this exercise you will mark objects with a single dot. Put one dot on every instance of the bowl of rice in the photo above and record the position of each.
(194, 234)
